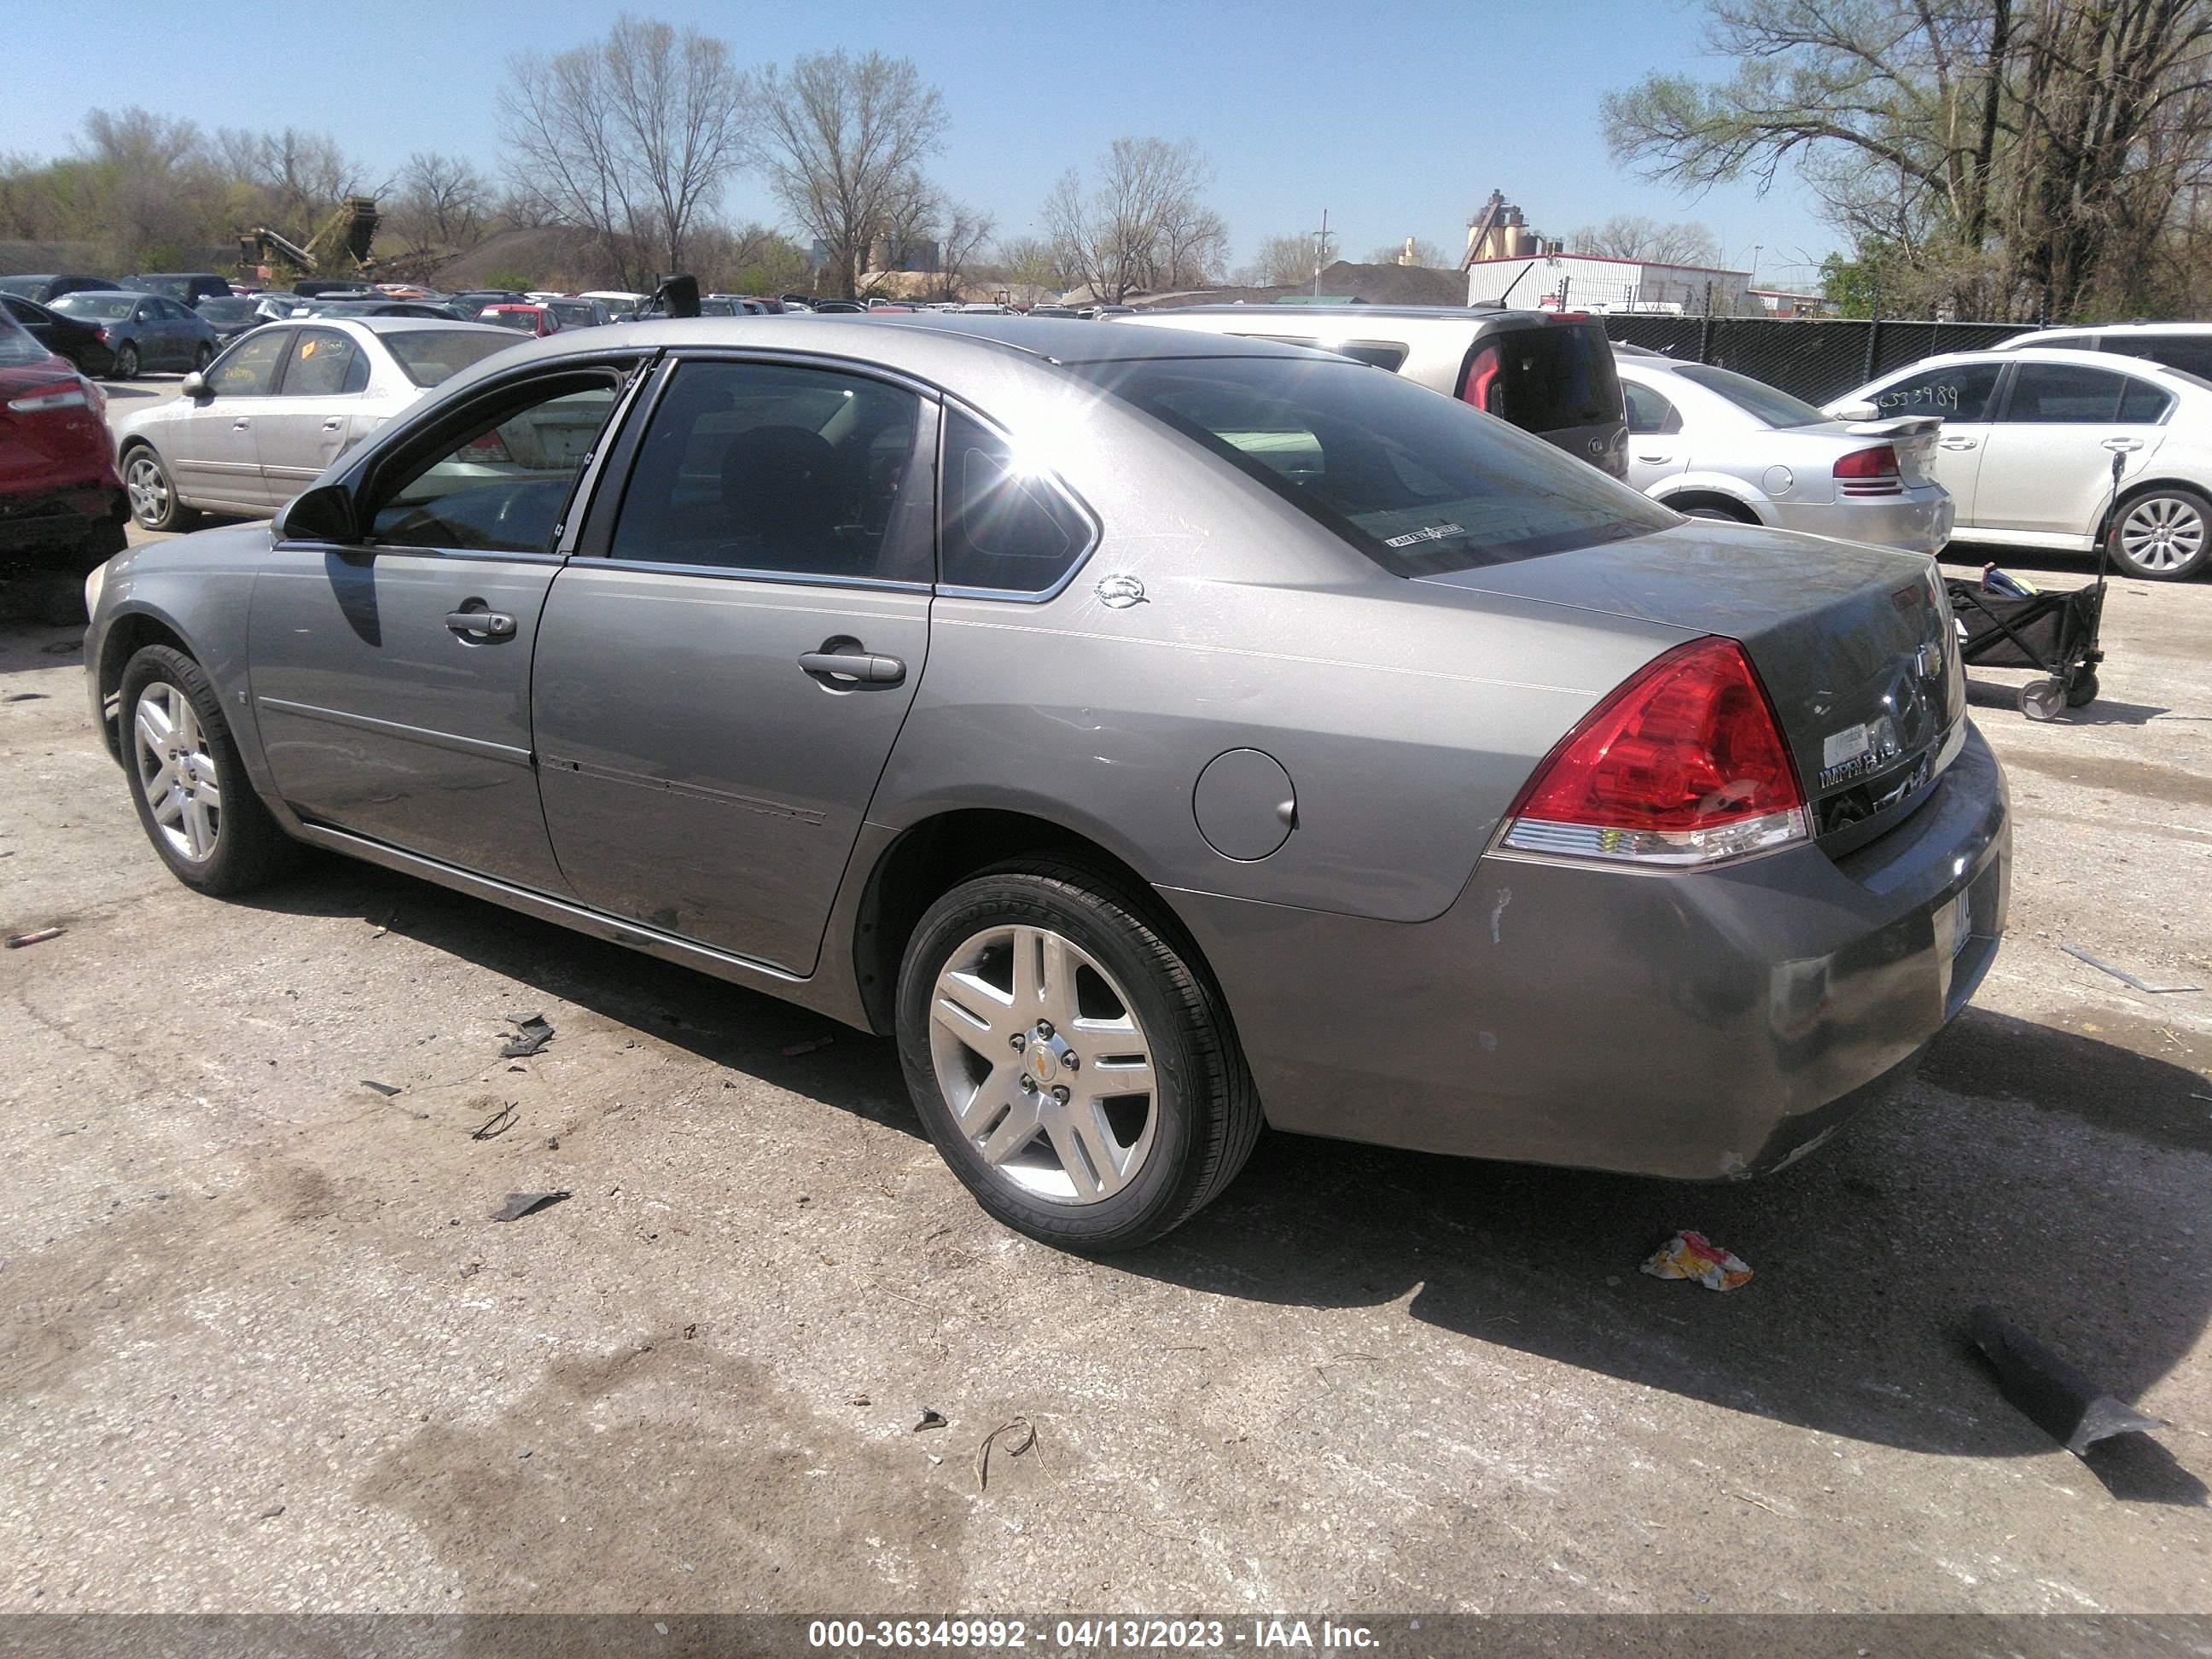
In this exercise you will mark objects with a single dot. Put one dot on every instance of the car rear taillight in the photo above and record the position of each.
(51, 400)
(100, 335)
(1869, 472)
(1683, 765)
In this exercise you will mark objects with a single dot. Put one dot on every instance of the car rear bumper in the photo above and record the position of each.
(1920, 520)
(81, 517)
(1699, 1025)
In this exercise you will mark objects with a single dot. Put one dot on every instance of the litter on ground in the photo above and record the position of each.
(1692, 1255)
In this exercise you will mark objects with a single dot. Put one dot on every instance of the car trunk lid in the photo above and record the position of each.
(1855, 645)
(1913, 436)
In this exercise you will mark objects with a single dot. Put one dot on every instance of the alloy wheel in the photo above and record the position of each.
(2162, 533)
(148, 487)
(1040, 1058)
(177, 771)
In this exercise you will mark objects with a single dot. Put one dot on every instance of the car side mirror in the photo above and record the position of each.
(325, 513)
(1861, 411)
(195, 386)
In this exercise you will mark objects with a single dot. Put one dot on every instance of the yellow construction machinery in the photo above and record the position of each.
(338, 248)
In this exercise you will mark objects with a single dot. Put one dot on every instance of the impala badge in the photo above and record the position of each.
(1119, 592)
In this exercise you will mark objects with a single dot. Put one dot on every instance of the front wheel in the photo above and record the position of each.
(193, 797)
(1072, 1065)
(154, 499)
(2163, 535)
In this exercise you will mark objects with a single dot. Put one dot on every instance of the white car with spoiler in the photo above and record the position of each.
(2027, 443)
(1714, 444)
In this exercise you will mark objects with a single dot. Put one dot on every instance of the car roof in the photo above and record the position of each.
(2027, 341)
(2112, 360)
(388, 325)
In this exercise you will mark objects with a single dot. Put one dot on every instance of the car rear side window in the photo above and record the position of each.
(2191, 355)
(1549, 378)
(1649, 413)
(2144, 404)
(1410, 479)
(1006, 528)
(325, 362)
(2056, 394)
(780, 469)
(1957, 392)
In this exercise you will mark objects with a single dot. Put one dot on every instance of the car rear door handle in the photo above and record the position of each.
(241, 425)
(2123, 446)
(854, 666)
(1961, 443)
(480, 624)
(334, 423)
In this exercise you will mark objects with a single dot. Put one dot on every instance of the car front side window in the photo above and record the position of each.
(1957, 392)
(501, 483)
(249, 368)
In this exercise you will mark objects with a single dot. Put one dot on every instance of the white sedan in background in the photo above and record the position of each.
(2027, 443)
(1714, 444)
(273, 411)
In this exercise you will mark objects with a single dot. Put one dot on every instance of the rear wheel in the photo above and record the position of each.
(2163, 535)
(1072, 1065)
(153, 500)
(193, 797)
(126, 361)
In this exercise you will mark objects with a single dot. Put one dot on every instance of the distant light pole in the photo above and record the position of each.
(1321, 251)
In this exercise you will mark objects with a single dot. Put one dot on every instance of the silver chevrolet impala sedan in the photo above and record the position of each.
(1160, 735)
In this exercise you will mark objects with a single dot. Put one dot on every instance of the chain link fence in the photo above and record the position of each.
(1816, 360)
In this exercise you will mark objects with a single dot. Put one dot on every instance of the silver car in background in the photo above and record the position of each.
(1158, 734)
(263, 420)
(1714, 444)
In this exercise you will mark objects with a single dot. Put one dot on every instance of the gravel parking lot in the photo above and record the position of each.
(262, 1348)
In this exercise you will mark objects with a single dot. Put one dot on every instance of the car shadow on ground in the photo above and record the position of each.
(1867, 1256)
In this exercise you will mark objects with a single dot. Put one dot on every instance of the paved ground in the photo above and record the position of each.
(261, 1348)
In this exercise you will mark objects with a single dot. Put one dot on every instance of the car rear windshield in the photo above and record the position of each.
(1551, 377)
(1420, 483)
(431, 354)
(101, 307)
(1754, 397)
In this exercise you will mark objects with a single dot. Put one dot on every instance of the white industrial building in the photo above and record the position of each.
(1590, 282)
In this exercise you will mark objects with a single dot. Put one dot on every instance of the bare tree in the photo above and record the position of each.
(443, 203)
(1031, 263)
(1635, 236)
(1142, 225)
(631, 137)
(1283, 262)
(966, 229)
(842, 139)
(2022, 153)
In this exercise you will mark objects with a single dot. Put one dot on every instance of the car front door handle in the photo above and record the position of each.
(854, 666)
(480, 624)
(1961, 443)
(241, 425)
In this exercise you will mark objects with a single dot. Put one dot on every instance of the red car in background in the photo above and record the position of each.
(523, 320)
(61, 507)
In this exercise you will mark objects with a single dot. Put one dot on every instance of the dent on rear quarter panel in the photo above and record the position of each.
(1407, 715)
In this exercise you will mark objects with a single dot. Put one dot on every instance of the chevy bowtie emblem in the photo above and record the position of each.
(1119, 592)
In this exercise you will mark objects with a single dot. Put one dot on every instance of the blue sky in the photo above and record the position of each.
(1398, 116)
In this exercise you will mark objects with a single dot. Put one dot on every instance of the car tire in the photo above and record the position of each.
(154, 502)
(126, 362)
(194, 800)
(202, 357)
(1088, 1176)
(2162, 535)
(1721, 515)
